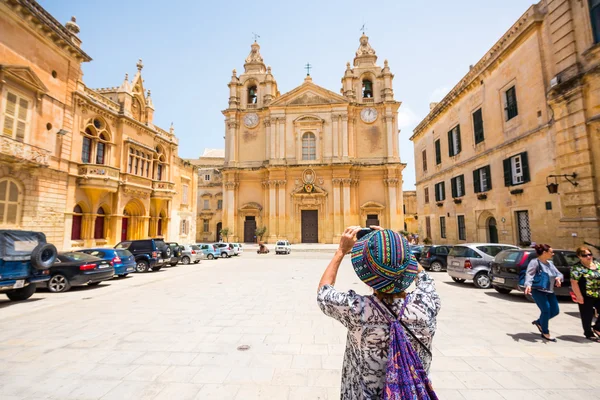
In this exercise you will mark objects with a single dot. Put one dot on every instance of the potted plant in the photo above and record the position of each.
(516, 191)
(481, 196)
(426, 241)
(224, 233)
(260, 232)
(439, 203)
(457, 201)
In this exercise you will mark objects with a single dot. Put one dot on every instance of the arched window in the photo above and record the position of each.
(367, 88)
(136, 109)
(99, 224)
(161, 170)
(309, 148)
(11, 201)
(76, 226)
(252, 95)
(95, 142)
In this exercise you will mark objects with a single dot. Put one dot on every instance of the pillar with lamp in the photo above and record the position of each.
(553, 186)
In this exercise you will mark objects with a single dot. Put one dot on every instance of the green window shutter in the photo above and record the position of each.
(438, 152)
(453, 184)
(462, 185)
(450, 145)
(458, 143)
(478, 126)
(437, 191)
(488, 173)
(507, 172)
(525, 165)
(476, 181)
(443, 190)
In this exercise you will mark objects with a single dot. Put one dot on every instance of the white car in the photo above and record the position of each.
(237, 249)
(283, 247)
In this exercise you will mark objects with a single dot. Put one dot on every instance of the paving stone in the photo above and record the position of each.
(179, 374)
(179, 391)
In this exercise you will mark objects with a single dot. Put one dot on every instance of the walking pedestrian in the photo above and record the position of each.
(382, 260)
(540, 279)
(585, 283)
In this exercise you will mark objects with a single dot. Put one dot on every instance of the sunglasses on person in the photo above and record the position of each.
(587, 255)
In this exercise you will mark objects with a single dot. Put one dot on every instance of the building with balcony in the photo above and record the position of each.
(88, 167)
(525, 117)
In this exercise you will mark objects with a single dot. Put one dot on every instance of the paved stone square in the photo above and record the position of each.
(174, 334)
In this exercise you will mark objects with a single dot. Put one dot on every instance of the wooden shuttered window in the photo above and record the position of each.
(424, 154)
(16, 113)
(510, 108)
(426, 190)
(478, 126)
(482, 179)
(454, 145)
(458, 186)
(438, 152)
(440, 191)
(516, 169)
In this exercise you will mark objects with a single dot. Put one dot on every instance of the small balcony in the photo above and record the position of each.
(90, 176)
(161, 189)
(13, 151)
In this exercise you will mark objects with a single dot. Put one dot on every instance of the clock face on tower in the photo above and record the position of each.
(368, 114)
(251, 120)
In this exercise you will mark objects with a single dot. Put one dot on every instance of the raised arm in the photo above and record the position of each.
(346, 242)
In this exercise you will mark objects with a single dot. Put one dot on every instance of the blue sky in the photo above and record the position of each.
(190, 47)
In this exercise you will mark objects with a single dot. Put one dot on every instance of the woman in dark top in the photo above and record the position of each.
(544, 297)
(585, 282)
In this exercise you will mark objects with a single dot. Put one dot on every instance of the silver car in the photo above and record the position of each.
(473, 261)
(191, 253)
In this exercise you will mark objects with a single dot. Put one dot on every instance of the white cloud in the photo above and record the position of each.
(407, 117)
(438, 94)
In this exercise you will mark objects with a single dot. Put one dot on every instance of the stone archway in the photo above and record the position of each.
(492, 230)
(133, 222)
(486, 227)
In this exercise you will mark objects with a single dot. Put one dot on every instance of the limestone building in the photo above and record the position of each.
(87, 167)
(411, 223)
(210, 195)
(487, 154)
(307, 163)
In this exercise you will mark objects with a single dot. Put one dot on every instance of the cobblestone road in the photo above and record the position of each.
(175, 334)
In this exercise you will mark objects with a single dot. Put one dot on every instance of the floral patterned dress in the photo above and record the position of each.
(363, 371)
(591, 276)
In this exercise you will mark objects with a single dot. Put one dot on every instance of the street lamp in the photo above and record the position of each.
(553, 186)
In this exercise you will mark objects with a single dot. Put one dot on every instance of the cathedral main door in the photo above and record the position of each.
(310, 226)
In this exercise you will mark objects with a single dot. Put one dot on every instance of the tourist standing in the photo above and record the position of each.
(382, 260)
(585, 283)
(540, 279)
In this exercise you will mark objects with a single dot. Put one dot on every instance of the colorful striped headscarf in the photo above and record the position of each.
(383, 260)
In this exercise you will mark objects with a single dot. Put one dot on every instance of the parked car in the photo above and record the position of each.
(122, 260)
(283, 247)
(210, 250)
(435, 257)
(226, 249)
(417, 250)
(473, 262)
(508, 264)
(73, 268)
(237, 248)
(149, 253)
(191, 253)
(25, 261)
(176, 252)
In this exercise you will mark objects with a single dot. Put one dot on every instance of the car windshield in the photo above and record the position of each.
(508, 257)
(95, 253)
(76, 256)
(491, 250)
(123, 245)
(124, 253)
(280, 243)
(463, 251)
(195, 247)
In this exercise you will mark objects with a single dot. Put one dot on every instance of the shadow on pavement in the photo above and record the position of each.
(7, 302)
(526, 337)
(515, 298)
(573, 339)
(463, 285)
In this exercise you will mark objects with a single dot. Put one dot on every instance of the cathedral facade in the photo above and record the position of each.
(308, 163)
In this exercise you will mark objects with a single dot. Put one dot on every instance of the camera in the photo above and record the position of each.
(363, 232)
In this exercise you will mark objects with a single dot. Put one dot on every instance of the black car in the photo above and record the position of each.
(507, 266)
(149, 253)
(77, 269)
(435, 257)
(176, 253)
(416, 250)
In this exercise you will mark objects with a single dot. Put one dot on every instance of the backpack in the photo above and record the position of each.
(405, 377)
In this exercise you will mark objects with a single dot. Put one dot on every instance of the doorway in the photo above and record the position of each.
(492, 230)
(218, 233)
(250, 229)
(310, 226)
(124, 229)
(372, 219)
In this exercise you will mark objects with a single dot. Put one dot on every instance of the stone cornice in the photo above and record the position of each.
(533, 16)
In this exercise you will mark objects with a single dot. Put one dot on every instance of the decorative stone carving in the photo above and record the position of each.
(23, 151)
(391, 181)
(231, 185)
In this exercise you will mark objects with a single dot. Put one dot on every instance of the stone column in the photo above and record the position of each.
(336, 130)
(267, 124)
(275, 140)
(281, 230)
(230, 195)
(390, 138)
(232, 127)
(392, 184)
(337, 229)
(345, 136)
(281, 138)
(347, 218)
(272, 209)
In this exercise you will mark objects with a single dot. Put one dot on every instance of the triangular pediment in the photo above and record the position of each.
(308, 94)
(23, 75)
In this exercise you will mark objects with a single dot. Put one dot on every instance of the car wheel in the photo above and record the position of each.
(156, 268)
(436, 266)
(141, 266)
(502, 290)
(22, 294)
(210, 257)
(185, 260)
(58, 283)
(173, 265)
(93, 283)
(224, 255)
(482, 280)
(43, 256)
(458, 280)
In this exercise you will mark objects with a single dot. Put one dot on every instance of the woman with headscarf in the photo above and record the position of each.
(382, 260)
(585, 283)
